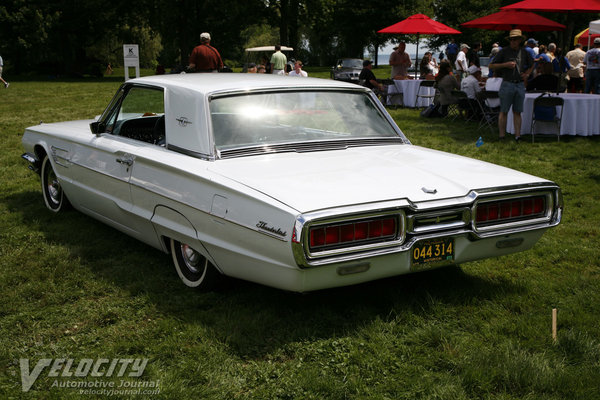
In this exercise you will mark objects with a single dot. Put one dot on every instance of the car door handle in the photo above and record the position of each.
(126, 161)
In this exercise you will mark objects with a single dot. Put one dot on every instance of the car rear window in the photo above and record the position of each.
(296, 116)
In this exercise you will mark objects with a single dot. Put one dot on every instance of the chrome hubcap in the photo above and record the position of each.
(191, 258)
(53, 187)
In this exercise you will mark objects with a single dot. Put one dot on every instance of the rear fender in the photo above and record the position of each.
(171, 224)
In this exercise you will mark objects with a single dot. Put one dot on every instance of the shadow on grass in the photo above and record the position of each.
(253, 320)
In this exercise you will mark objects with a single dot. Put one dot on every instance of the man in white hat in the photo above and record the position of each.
(204, 57)
(461, 63)
(592, 71)
(470, 85)
(513, 64)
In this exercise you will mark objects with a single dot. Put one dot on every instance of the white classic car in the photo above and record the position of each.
(299, 184)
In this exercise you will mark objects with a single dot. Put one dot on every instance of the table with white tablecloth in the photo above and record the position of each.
(408, 88)
(581, 116)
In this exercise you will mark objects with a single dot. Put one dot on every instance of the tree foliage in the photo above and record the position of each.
(67, 36)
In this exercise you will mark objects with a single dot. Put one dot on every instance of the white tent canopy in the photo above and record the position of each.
(594, 28)
(268, 48)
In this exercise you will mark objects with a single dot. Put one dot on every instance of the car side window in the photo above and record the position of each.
(140, 116)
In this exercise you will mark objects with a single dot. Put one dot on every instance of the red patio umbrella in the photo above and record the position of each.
(505, 20)
(556, 5)
(419, 24)
(584, 38)
(563, 6)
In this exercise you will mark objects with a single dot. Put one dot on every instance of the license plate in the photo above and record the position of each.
(432, 251)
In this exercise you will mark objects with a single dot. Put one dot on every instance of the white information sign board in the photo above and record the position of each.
(131, 58)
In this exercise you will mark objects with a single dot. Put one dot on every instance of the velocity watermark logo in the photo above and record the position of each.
(69, 374)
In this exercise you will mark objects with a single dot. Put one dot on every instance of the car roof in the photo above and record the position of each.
(207, 83)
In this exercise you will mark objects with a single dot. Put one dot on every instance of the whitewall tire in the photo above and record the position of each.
(193, 268)
(54, 197)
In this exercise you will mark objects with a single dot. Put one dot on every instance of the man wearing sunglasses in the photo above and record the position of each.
(514, 65)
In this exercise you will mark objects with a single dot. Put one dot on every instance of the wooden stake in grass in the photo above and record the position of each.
(554, 320)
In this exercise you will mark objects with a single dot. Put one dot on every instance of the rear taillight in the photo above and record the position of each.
(352, 233)
(502, 211)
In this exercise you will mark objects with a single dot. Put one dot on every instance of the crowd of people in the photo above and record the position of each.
(521, 66)
(206, 58)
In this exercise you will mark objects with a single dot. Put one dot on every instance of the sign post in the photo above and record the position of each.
(131, 57)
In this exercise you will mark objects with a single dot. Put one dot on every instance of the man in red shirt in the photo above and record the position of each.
(205, 58)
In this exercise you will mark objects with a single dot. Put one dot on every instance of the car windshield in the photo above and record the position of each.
(352, 63)
(296, 116)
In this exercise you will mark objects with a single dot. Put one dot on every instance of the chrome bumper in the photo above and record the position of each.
(34, 163)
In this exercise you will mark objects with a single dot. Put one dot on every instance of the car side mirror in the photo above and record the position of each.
(97, 127)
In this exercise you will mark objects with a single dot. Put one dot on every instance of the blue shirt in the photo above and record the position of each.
(452, 48)
(530, 51)
(556, 65)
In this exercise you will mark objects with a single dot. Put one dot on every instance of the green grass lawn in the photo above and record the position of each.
(74, 288)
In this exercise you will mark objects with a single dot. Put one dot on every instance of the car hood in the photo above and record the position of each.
(320, 180)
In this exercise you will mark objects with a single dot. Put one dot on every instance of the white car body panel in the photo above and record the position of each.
(303, 181)
(251, 215)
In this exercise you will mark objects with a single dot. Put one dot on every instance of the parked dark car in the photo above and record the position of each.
(347, 69)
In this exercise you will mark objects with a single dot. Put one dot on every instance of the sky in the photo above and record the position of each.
(411, 49)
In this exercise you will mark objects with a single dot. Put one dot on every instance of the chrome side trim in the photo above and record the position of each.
(308, 146)
(190, 153)
(60, 156)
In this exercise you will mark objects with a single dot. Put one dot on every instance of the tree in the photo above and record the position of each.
(455, 12)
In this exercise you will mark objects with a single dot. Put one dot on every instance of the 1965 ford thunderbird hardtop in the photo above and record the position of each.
(299, 184)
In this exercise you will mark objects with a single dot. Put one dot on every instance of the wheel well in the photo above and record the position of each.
(166, 241)
(40, 152)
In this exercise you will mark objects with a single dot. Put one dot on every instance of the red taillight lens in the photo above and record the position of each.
(317, 237)
(361, 231)
(388, 227)
(332, 235)
(347, 232)
(375, 228)
(495, 212)
(352, 233)
(539, 205)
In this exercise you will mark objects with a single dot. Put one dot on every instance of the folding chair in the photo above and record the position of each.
(427, 91)
(544, 110)
(464, 105)
(489, 111)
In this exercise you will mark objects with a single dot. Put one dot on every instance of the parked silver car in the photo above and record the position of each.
(347, 69)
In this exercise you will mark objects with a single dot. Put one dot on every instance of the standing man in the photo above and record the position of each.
(551, 51)
(530, 46)
(205, 58)
(473, 55)
(278, 61)
(513, 64)
(400, 62)
(592, 72)
(2, 79)
(461, 63)
(452, 51)
(575, 58)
